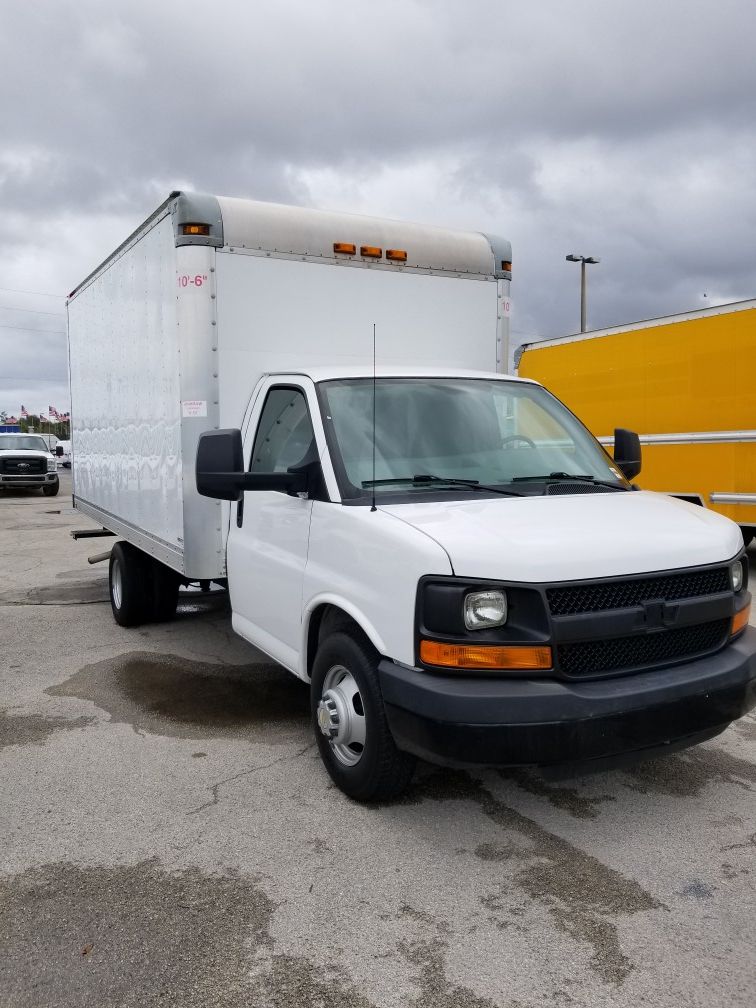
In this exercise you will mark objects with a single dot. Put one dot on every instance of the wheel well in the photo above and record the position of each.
(324, 621)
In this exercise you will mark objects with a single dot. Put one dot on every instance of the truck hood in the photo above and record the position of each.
(24, 453)
(569, 538)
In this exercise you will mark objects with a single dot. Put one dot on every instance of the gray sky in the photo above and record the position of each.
(620, 130)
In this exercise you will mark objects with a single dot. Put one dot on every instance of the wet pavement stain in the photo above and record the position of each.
(697, 890)
(296, 982)
(435, 989)
(687, 774)
(172, 696)
(81, 592)
(35, 729)
(131, 935)
(568, 799)
(582, 895)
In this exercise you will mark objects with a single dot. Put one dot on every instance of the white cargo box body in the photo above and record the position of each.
(170, 335)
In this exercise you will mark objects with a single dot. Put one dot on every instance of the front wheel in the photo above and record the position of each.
(51, 489)
(350, 724)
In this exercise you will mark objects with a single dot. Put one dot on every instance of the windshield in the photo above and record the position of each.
(26, 443)
(495, 433)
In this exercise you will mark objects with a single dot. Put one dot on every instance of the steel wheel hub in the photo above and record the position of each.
(117, 583)
(341, 716)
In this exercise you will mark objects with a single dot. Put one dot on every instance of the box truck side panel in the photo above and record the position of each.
(277, 314)
(684, 384)
(125, 390)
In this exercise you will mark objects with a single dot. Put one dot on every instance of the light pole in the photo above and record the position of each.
(582, 260)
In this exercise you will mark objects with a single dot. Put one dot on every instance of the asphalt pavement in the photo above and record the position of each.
(169, 837)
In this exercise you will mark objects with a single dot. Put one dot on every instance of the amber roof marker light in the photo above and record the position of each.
(371, 251)
(396, 255)
(195, 229)
(344, 248)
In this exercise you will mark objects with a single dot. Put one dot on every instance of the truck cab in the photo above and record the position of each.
(462, 573)
(27, 463)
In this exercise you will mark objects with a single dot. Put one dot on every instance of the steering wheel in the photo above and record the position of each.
(517, 437)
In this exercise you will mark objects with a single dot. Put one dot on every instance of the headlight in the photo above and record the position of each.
(52, 465)
(485, 609)
(736, 575)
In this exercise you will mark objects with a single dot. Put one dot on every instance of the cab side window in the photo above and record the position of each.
(285, 436)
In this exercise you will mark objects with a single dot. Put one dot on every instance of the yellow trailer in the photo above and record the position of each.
(686, 383)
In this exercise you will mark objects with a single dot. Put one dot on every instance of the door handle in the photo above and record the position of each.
(240, 512)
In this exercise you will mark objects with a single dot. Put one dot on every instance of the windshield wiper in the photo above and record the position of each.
(560, 477)
(423, 478)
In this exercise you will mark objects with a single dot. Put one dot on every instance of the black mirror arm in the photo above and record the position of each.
(289, 482)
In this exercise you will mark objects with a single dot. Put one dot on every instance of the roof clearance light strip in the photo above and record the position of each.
(466, 656)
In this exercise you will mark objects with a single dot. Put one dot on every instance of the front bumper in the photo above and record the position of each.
(37, 480)
(460, 720)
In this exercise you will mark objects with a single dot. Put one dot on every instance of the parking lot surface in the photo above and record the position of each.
(169, 836)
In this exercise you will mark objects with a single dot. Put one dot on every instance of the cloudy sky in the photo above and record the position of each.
(625, 131)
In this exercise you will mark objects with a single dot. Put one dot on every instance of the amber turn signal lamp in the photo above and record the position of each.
(397, 255)
(484, 656)
(506, 265)
(371, 251)
(195, 229)
(344, 248)
(740, 620)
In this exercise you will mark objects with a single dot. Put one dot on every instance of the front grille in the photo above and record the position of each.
(23, 466)
(590, 658)
(574, 599)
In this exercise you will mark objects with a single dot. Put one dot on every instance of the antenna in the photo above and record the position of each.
(373, 507)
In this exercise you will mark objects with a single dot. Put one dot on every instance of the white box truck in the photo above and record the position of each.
(309, 408)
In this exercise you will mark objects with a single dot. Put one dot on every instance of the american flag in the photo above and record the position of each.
(24, 412)
(53, 412)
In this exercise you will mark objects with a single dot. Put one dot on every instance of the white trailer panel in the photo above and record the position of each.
(140, 350)
(169, 336)
(282, 315)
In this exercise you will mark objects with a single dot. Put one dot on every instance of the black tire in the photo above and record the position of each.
(381, 771)
(163, 592)
(129, 584)
(51, 489)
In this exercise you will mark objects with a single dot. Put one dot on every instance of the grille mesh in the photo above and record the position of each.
(574, 599)
(588, 658)
(23, 466)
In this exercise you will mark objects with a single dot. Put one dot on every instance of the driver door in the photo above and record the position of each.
(269, 531)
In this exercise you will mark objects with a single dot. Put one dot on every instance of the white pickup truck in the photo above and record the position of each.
(309, 408)
(26, 463)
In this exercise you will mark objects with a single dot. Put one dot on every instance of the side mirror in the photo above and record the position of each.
(627, 452)
(220, 464)
(59, 451)
(219, 470)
